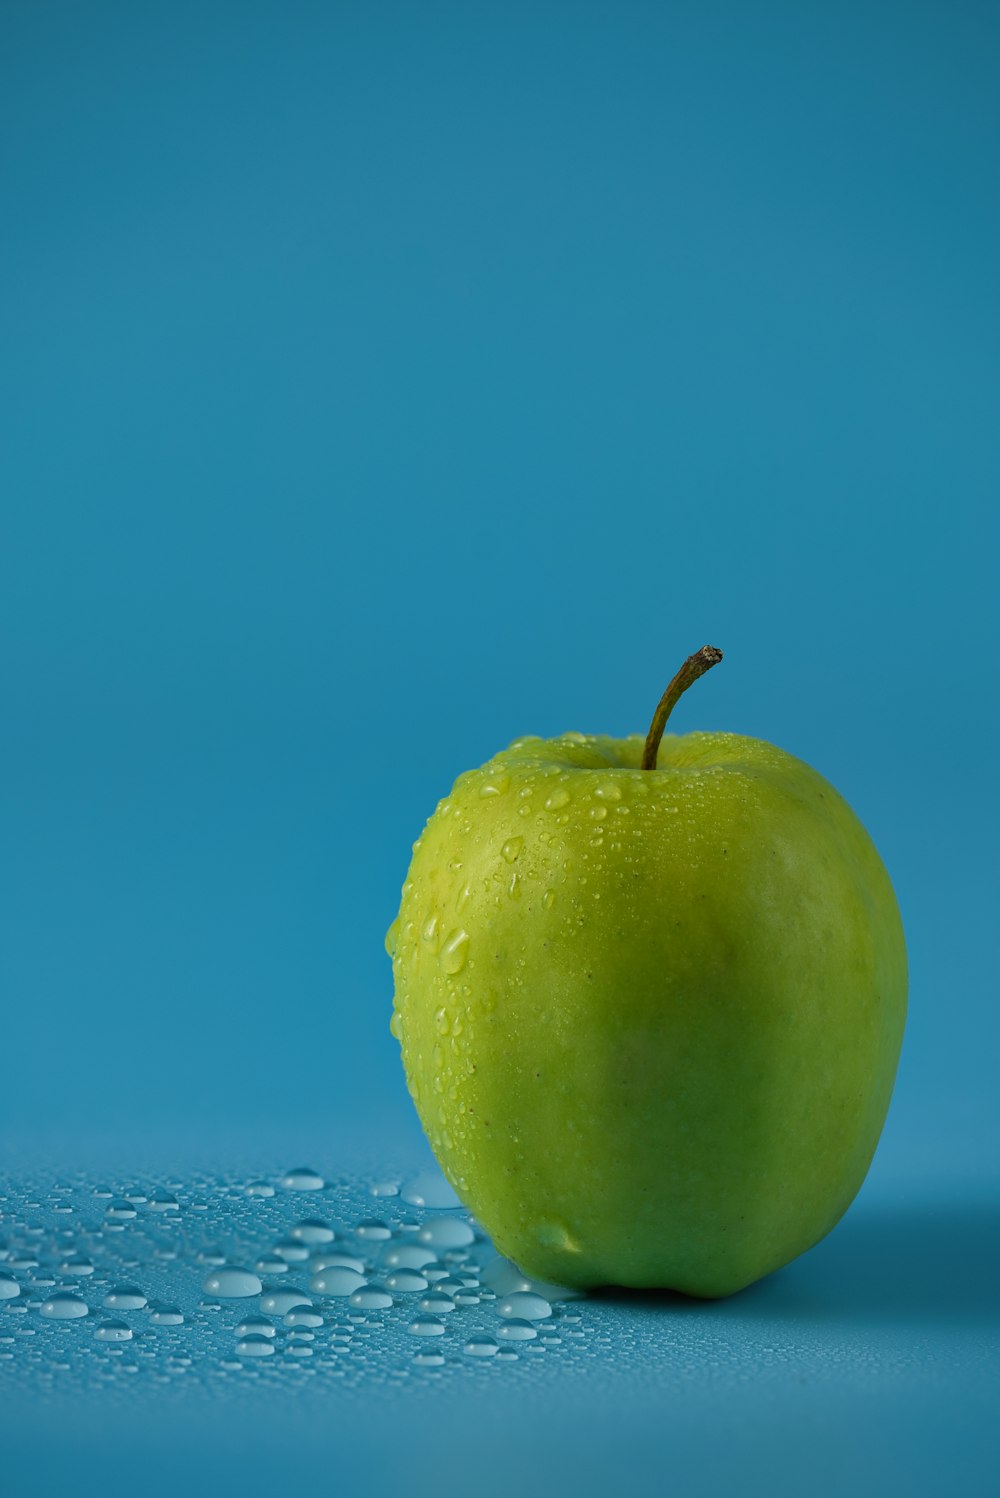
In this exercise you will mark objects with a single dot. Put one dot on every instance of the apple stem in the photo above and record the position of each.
(696, 665)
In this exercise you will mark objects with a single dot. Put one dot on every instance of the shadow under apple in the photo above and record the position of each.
(917, 1261)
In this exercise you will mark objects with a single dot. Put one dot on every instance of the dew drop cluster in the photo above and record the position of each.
(222, 1280)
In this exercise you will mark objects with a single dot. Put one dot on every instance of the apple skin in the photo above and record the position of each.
(650, 1020)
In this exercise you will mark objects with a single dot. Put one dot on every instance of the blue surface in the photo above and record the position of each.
(380, 384)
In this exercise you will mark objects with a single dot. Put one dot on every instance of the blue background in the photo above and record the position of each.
(381, 382)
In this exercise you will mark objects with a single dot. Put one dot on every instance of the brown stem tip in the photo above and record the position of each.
(696, 665)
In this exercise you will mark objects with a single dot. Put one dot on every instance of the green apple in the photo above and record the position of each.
(650, 998)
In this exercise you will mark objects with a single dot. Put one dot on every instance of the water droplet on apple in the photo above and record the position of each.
(455, 952)
(514, 888)
(511, 849)
(549, 899)
(395, 1025)
(598, 812)
(495, 785)
(609, 790)
(431, 933)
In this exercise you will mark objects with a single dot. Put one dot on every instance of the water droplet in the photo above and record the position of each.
(481, 1347)
(517, 1330)
(9, 1287)
(303, 1316)
(231, 1283)
(431, 933)
(77, 1264)
(161, 1315)
(279, 1299)
(427, 1326)
(255, 1347)
(407, 1256)
(113, 1331)
(437, 1304)
(430, 1189)
(385, 1188)
(259, 1188)
(163, 1201)
(526, 1305)
(455, 952)
(337, 1261)
(371, 1297)
(405, 1281)
(271, 1264)
(119, 1209)
(428, 1359)
(291, 1251)
(559, 798)
(609, 790)
(125, 1298)
(396, 1030)
(372, 1231)
(495, 785)
(446, 1233)
(256, 1326)
(598, 813)
(63, 1306)
(337, 1280)
(312, 1230)
(302, 1178)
